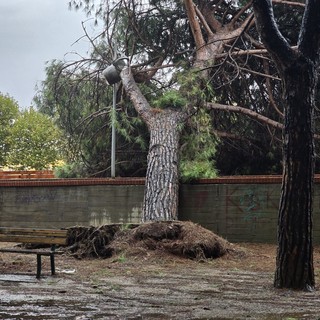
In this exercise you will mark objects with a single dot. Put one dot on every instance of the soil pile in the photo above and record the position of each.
(184, 239)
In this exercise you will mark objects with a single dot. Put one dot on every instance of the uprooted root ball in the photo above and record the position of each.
(184, 239)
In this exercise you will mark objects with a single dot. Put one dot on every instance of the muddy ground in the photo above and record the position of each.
(153, 286)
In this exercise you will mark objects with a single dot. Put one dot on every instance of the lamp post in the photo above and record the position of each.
(113, 132)
(112, 75)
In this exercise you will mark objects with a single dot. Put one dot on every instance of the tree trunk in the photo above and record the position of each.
(162, 178)
(298, 71)
(294, 268)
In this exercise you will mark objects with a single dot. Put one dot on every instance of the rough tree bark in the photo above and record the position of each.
(298, 70)
(162, 178)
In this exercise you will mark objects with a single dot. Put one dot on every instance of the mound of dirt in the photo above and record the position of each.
(184, 239)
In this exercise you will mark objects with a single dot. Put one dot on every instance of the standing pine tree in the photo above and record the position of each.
(298, 70)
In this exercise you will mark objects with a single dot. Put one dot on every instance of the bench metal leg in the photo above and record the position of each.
(53, 270)
(38, 266)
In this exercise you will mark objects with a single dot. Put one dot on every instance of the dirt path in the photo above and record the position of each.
(149, 287)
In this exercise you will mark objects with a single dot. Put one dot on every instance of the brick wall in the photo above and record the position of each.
(237, 208)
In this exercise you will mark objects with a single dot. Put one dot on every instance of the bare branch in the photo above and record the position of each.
(242, 52)
(241, 11)
(228, 135)
(91, 41)
(248, 112)
(269, 90)
(290, 3)
(260, 73)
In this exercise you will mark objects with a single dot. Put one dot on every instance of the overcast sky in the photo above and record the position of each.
(33, 32)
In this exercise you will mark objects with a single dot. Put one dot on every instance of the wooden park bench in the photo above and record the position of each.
(32, 236)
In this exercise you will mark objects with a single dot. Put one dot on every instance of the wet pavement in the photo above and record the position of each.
(204, 293)
(25, 297)
(150, 287)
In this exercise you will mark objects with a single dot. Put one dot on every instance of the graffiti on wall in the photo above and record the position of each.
(252, 205)
(251, 202)
(32, 196)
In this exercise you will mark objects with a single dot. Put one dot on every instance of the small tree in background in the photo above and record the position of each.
(9, 111)
(33, 141)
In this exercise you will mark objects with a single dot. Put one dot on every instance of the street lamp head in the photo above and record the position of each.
(112, 72)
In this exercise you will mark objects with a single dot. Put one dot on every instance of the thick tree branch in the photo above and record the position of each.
(139, 101)
(250, 113)
(204, 22)
(309, 38)
(270, 34)
(241, 52)
(194, 24)
(291, 3)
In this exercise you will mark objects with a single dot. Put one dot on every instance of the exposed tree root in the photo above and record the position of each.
(184, 239)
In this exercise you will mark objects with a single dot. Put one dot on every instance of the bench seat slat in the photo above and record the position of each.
(32, 239)
(27, 231)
